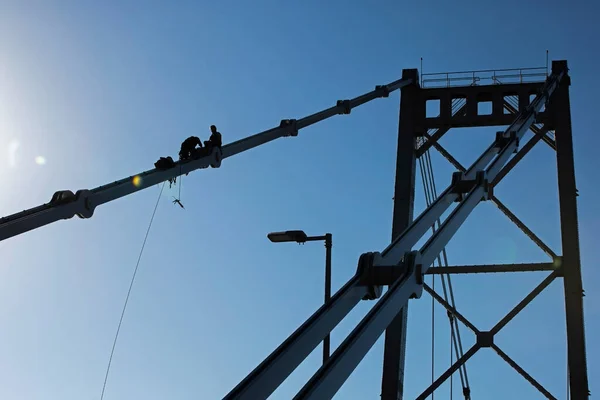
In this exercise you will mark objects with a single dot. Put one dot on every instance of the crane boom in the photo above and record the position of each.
(66, 204)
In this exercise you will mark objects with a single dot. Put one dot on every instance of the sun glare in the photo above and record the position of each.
(13, 147)
(137, 181)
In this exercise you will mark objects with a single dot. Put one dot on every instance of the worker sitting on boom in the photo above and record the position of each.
(188, 147)
(214, 140)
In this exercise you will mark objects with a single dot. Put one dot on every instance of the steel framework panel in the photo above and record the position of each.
(567, 266)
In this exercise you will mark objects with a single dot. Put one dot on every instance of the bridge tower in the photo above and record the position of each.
(458, 95)
(526, 99)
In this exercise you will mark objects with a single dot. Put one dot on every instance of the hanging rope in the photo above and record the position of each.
(129, 291)
(178, 199)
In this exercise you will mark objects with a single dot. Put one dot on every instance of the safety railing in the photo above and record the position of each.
(484, 77)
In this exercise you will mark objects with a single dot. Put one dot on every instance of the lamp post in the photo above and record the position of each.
(301, 237)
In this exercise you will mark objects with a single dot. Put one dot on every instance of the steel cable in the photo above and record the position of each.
(129, 291)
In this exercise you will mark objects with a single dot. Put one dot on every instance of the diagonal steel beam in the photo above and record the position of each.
(500, 205)
(432, 139)
(445, 153)
(501, 324)
(528, 299)
(449, 308)
(533, 128)
(522, 153)
(522, 372)
(459, 363)
(523, 227)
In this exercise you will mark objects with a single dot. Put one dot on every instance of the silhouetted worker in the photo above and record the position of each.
(164, 163)
(215, 138)
(188, 147)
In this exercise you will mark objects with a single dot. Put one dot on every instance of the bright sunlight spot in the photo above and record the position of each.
(12, 153)
(137, 181)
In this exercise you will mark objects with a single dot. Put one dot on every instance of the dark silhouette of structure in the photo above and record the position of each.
(400, 267)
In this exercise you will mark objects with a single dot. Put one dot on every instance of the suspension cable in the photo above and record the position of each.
(451, 362)
(455, 332)
(430, 191)
(129, 291)
(426, 190)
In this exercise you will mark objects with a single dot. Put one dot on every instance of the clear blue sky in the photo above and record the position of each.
(102, 90)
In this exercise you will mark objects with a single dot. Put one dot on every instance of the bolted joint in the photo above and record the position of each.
(457, 179)
(62, 197)
(364, 269)
(557, 263)
(462, 186)
(502, 141)
(485, 339)
(345, 106)
(85, 208)
(482, 180)
(290, 126)
(382, 90)
(412, 263)
(217, 157)
(467, 393)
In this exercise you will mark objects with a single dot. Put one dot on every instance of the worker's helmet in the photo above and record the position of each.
(213, 128)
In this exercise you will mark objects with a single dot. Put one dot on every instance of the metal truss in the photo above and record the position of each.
(485, 339)
(402, 269)
(554, 118)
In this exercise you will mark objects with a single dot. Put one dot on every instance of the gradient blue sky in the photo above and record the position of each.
(102, 90)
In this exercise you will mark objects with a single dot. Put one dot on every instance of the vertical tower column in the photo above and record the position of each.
(571, 263)
(412, 117)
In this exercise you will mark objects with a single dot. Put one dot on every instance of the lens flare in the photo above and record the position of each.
(40, 160)
(12, 153)
(557, 263)
(137, 181)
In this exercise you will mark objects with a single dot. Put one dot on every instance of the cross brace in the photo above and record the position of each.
(486, 339)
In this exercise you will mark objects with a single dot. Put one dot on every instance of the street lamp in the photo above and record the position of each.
(301, 237)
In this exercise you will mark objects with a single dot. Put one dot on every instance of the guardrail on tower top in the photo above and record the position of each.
(484, 77)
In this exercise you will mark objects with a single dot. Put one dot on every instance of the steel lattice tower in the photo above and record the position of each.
(400, 266)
